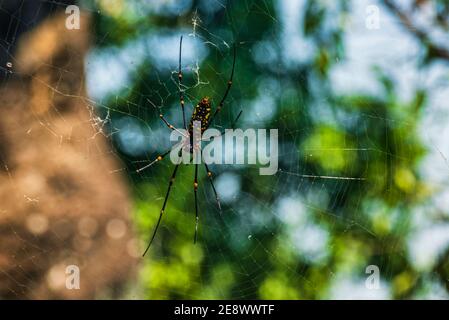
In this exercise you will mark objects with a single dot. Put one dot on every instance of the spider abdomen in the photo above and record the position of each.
(201, 113)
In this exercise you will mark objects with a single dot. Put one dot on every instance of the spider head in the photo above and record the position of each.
(205, 101)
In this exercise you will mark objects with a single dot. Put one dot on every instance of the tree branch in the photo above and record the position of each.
(435, 50)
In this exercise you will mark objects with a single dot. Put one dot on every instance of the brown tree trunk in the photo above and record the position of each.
(63, 200)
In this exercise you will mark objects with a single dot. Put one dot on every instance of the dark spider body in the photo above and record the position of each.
(201, 113)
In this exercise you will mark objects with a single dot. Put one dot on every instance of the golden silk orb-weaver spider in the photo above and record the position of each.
(202, 114)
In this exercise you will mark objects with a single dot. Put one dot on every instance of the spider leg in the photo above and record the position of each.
(168, 124)
(181, 93)
(209, 174)
(195, 189)
(236, 119)
(220, 105)
(233, 125)
(157, 159)
(170, 184)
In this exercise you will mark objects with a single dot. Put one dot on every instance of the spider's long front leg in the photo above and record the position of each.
(220, 105)
(195, 189)
(170, 184)
(209, 174)
(181, 92)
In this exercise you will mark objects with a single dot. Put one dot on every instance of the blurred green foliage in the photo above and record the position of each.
(250, 251)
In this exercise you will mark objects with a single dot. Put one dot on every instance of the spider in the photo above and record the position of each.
(201, 113)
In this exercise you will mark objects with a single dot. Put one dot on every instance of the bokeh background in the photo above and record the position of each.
(357, 89)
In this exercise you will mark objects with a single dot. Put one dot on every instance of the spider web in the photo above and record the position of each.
(276, 236)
